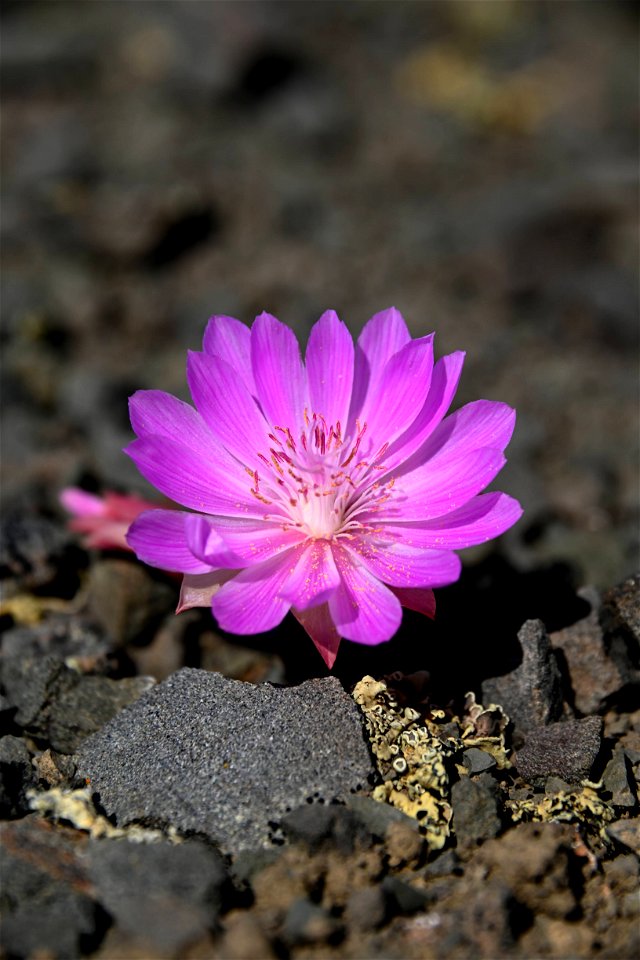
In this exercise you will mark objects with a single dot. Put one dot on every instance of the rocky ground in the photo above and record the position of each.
(169, 791)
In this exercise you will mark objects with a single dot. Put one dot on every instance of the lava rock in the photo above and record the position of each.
(128, 600)
(477, 761)
(620, 616)
(618, 781)
(626, 832)
(31, 547)
(402, 897)
(366, 908)
(226, 758)
(593, 675)
(475, 809)
(47, 906)
(168, 894)
(567, 750)
(16, 776)
(306, 922)
(532, 693)
(66, 637)
(376, 817)
(59, 705)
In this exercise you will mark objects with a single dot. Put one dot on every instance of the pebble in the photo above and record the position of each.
(567, 749)
(225, 758)
(475, 809)
(627, 832)
(532, 693)
(477, 761)
(618, 781)
(306, 922)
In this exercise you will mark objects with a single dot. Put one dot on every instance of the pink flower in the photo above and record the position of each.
(104, 520)
(334, 488)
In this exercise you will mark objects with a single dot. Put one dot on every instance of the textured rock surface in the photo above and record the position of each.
(532, 693)
(205, 753)
(566, 749)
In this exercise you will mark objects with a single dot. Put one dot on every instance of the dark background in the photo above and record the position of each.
(472, 163)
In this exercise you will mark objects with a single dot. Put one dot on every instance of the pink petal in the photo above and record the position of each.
(251, 602)
(314, 579)
(444, 383)
(363, 609)
(329, 363)
(159, 414)
(438, 487)
(401, 392)
(230, 339)
(237, 543)
(193, 479)
(415, 598)
(483, 423)
(279, 374)
(400, 565)
(158, 538)
(322, 630)
(231, 413)
(198, 590)
(481, 519)
(383, 335)
(82, 504)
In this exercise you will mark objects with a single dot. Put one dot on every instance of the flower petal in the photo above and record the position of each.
(192, 479)
(322, 630)
(231, 413)
(278, 371)
(483, 423)
(439, 487)
(230, 339)
(198, 590)
(382, 336)
(400, 565)
(237, 543)
(481, 519)
(362, 608)
(401, 392)
(251, 602)
(81, 503)
(329, 362)
(159, 414)
(415, 598)
(314, 579)
(158, 538)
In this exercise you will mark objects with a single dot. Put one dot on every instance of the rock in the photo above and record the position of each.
(593, 675)
(315, 824)
(16, 776)
(366, 909)
(71, 638)
(47, 907)
(377, 817)
(620, 617)
(54, 769)
(477, 761)
(403, 845)
(475, 809)
(567, 749)
(31, 548)
(59, 705)
(618, 781)
(128, 600)
(402, 897)
(627, 832)
(243, 937)
(306, 922)
(166, 894)
(226, 758)
(532, 693)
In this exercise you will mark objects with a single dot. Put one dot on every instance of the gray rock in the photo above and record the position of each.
(592, 674)
(66, 637)
(477, 761)
(532, 693)
(567, 750)
(402, 897)
(16, 776)
(475, 809)
(366, 908)
(620, 617)
(227, 758)
(626, 832)
(30, 547)
(376, 817)
(128, 600)
(46, 906)
(306, 922)
(167, 894)
(618, 780)
(59, 705)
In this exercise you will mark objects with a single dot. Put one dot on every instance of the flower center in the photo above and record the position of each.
(320, 482)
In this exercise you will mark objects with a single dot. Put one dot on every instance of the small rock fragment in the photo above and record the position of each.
(402, 897)
(475, 809)
(306, 922)
(226, 758)
(16, 776)
(128, 600)
(532, 693)
(627, 832)
(567, 749)
(477, 761)
(618, 781)
(170, 894)
(594, 676)
(620, 617)
(377, 817)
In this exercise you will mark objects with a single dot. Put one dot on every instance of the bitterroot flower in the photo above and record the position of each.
(334, 487)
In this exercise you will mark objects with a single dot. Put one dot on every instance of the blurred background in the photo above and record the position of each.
(472, 163)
